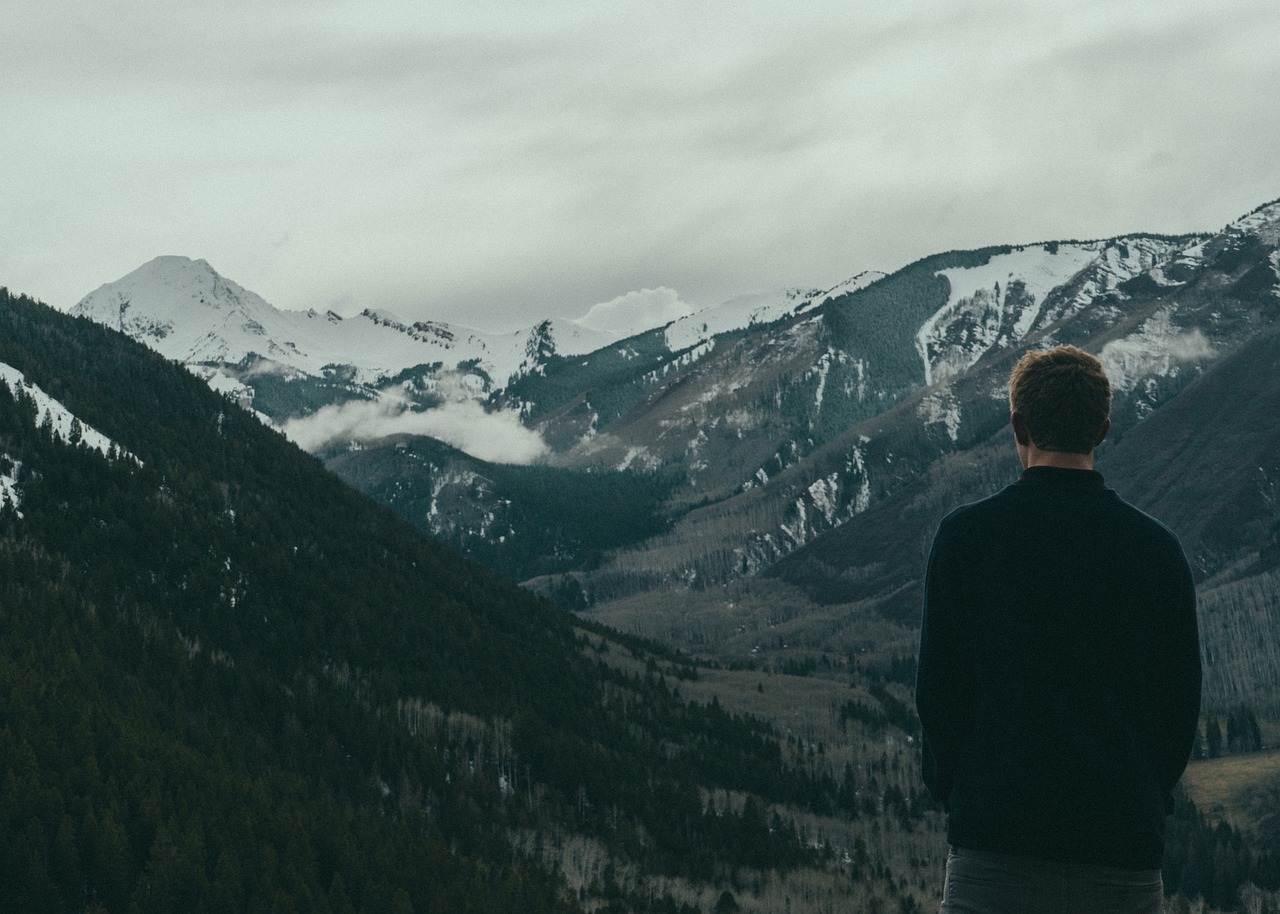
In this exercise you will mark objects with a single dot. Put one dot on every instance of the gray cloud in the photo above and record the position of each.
(471, 163)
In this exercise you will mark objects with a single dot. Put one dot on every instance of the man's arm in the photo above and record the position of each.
(1178, 678)
(942, 693)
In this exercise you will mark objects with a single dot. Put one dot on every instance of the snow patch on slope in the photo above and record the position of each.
(63, 422)
(980, 311)
(822, 369)
(638, 457)
(998, 304)
(1192, 256)
(941, 406)
(1120, 260)
(823, 505)
(1263, 222)
(9, 487)
(825, 495)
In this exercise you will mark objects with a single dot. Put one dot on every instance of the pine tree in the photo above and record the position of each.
(1213, 738)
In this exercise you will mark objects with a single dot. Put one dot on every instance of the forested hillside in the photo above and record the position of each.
(521, 521)
(232, 683)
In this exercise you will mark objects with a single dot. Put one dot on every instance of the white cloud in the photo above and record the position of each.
(1154, 350)
(497, 437)
(636, 312)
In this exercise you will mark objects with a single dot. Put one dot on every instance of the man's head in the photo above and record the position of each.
(1061, 400)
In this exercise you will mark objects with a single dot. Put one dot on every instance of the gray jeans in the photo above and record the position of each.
(982, 883)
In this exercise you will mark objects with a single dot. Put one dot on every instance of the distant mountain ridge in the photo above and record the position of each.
(186, 310)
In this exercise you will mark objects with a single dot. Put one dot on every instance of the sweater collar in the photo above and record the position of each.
(1061, 477)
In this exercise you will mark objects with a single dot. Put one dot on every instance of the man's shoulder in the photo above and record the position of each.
(979, 511)
(1146, 525)
(1105, 505)
(961, 522)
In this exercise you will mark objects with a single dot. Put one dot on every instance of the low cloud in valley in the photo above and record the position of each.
(497, 437)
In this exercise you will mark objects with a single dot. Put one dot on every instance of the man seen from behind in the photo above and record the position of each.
(1059, 669)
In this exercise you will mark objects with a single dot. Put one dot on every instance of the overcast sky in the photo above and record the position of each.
(490, 163)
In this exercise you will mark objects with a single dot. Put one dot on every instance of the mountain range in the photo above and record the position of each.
(800, 445)
(233, 683)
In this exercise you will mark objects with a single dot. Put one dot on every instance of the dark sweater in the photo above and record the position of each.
(1059, 677)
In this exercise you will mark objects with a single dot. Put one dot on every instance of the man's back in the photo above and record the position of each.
(1059, 672)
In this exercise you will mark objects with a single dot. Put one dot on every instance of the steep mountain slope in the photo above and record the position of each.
(799, 429)
(1194, 441)
(232, 683)
(814, 374)
(520, 521)
(1207, 461)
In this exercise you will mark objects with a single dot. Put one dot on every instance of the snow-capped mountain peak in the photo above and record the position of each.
(184, 309)
(1263, 222)
(187, 311)
(290, 366)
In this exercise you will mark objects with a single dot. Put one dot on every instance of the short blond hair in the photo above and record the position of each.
(1063, 396)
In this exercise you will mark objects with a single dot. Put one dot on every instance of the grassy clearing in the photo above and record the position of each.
(1223, 788)
(773, 696)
